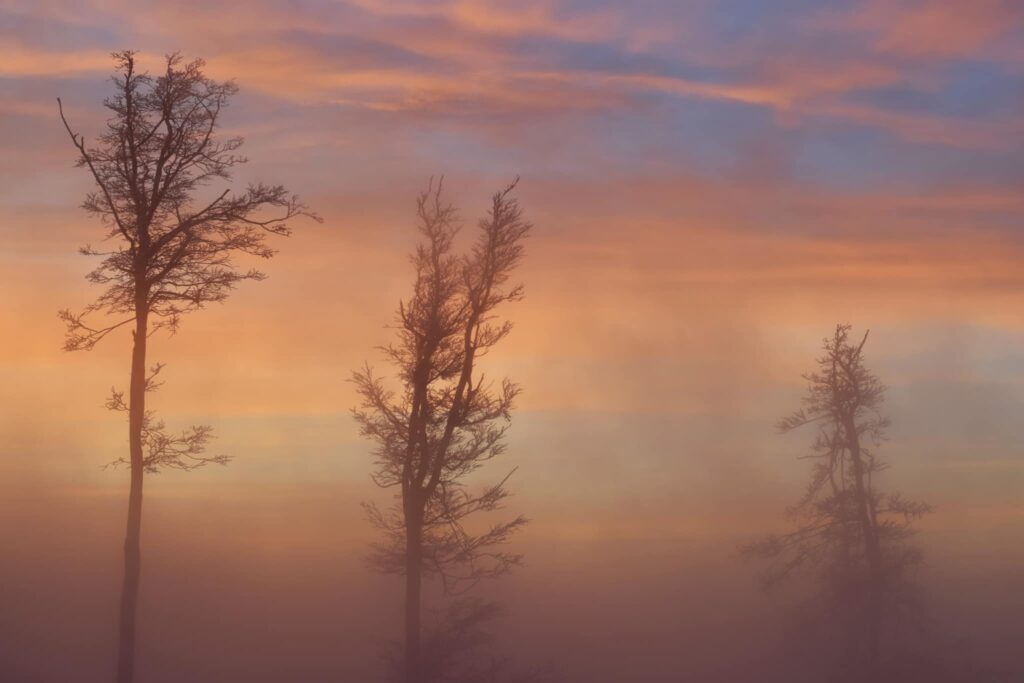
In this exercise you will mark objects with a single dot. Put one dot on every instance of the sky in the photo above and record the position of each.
(714, 185)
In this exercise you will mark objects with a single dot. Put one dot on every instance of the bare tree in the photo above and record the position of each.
(171, 249)
(853, 535)
(446, 419)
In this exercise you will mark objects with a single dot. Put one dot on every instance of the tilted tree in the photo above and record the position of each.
(854, 536)
(445, 419)
(170, 248)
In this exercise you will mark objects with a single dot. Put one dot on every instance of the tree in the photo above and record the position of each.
(852, 534)
(172, 249)
(446, 419)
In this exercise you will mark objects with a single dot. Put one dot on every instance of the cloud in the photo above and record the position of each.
(495, 18)
(478, 60)
(687, 257)
(928, 29)
(19, 61)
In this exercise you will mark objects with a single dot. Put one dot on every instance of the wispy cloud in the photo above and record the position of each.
(706, 193)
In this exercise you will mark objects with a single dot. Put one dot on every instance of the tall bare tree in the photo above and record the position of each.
(445, 419)
(854, 535)
(171, 247)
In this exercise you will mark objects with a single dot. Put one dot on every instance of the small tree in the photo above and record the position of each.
(171, 250)
(853, 535)
(446, 419)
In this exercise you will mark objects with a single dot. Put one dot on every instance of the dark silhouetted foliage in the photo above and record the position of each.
(169, 249)
(446, 419)
(851, 535)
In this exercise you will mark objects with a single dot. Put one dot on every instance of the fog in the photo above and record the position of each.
(693, 195)
(270, 585)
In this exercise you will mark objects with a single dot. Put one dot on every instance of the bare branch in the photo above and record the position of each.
(443, 419)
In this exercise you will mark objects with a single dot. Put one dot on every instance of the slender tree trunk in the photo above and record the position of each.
(132, 555)
(413, 585)
(852, 627)
(873, 552)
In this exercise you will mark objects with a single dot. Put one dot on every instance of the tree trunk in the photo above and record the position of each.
(413, 584)
(132, 556)
(873, 552)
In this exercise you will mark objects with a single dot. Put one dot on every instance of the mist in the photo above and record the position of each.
(271, 585)
(464, 341)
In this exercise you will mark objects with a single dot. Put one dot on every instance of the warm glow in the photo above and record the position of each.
(714, 185)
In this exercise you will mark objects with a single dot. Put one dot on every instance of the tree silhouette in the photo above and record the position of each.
(171, 250)
(446, 419)
(852, 534)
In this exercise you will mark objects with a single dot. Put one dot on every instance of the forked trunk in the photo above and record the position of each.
(132, 556)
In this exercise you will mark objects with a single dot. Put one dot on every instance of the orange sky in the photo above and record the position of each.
(713, 188)
(714, 185)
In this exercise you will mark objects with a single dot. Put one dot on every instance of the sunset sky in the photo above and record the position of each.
(714, 185)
